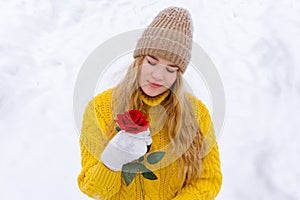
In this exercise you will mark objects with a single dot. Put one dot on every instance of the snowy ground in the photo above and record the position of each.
(254, 44)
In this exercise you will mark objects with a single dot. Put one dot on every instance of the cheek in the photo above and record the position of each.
(171, 80)
(145, 71)
(141, 78)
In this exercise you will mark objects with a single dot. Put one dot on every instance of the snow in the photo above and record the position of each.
(254, 45)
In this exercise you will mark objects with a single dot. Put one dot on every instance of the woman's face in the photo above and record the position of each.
(157, 75)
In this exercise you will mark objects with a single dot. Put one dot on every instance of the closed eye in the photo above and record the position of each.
(171, 71)
(151, 63)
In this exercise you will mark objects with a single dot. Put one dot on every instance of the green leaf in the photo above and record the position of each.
(155, 157)
(149, 175)
(141, 159)
(118, 128)
(133, 167)
(129, 171)
(128, 177)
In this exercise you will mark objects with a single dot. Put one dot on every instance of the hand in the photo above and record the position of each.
(124, 148)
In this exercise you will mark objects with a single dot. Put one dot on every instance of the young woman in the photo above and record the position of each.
(178, 152)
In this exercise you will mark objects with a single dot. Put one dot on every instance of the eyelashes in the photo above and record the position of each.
(168, 70)
(151, 63)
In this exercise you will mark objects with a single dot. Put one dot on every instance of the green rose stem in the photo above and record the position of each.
(142, 187)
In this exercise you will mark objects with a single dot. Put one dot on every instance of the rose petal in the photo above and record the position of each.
(132, 121)
(135, 115)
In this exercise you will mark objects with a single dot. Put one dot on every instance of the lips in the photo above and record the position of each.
(154, 85)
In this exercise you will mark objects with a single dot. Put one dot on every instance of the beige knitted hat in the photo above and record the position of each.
(169, 36)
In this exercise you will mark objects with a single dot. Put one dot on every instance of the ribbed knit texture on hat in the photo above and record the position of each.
(169, 36)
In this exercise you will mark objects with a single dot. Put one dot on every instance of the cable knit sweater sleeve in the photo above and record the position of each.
(95, 179)
(208, 185)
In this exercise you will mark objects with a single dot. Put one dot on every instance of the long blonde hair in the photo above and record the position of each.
(183, 129)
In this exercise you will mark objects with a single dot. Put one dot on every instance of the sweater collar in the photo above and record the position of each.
(153, 101)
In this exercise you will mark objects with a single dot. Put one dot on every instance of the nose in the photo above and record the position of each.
(157, 73)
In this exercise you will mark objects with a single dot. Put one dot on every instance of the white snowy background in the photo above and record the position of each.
(255, 46)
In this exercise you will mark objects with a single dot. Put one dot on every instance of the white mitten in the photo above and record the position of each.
(124, 148)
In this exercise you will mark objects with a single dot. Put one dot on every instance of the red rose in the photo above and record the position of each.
(133, 121)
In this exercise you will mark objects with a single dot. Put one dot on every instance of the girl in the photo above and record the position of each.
(177, 156)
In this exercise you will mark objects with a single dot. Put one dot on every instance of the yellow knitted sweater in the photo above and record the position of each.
(99, 182)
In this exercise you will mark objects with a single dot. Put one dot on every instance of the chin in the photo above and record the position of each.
(152, 92)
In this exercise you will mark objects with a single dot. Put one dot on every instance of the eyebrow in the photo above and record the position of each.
(158, 60)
